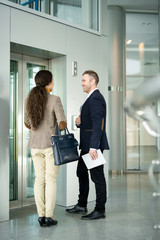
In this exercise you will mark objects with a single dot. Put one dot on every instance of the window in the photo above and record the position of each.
(142, 63)
(83, 13)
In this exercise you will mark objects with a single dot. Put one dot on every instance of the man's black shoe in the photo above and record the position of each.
(77, 209)
(93, 215)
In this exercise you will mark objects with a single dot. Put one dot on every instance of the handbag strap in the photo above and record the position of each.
(58, 132)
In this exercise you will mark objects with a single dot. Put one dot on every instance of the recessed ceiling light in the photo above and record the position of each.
(128, 42)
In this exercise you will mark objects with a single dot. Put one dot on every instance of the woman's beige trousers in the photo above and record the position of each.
(45, 181)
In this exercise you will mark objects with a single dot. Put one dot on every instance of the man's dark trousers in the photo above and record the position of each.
(97, 176)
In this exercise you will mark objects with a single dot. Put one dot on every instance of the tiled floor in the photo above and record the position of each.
(131, 213)
(140, 157)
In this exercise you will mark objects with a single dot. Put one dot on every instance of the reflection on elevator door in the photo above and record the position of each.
(13, 158)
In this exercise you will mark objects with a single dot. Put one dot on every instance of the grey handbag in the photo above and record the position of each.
(64, 147)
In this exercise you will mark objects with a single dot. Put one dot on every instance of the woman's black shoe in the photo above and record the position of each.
(49, 221)
(41, 221)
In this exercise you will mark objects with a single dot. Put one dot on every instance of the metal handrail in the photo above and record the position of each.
(36, 3)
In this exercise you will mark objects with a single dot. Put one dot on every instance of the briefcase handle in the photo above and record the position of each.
(58, 132)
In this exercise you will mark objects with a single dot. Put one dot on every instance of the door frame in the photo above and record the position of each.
(22, 131)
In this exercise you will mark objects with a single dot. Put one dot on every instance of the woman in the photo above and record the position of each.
(42, 114)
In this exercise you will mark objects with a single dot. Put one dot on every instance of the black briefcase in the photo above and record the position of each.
(64, 147)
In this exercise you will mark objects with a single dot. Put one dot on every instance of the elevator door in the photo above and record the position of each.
(22, 73)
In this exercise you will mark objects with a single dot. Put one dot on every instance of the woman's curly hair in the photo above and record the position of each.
(37, 98)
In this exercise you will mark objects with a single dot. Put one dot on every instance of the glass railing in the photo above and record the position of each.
(83, 13)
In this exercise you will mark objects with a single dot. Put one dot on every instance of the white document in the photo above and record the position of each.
(94, 163)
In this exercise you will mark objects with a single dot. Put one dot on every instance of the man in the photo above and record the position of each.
(92, 123)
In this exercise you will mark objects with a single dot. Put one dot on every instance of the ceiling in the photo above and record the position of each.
(136, 5)
(142, 26)
(141, 21)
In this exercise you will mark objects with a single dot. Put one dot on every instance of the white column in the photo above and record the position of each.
(116, 86)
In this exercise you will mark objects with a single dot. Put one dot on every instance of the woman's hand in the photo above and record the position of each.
(62, 125)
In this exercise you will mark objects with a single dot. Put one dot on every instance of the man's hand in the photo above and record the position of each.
(93, 154)
(78, 120)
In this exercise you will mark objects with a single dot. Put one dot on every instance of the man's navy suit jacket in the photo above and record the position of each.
(93, 123)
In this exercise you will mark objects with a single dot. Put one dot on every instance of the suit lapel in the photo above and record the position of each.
(81, 108)
(86, 101)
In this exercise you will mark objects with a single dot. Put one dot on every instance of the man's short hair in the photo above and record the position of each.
(93, 74)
